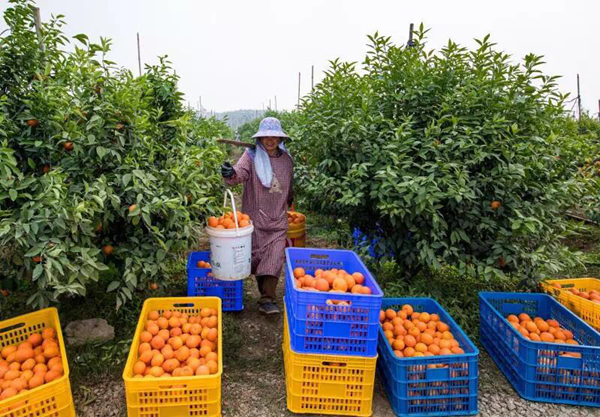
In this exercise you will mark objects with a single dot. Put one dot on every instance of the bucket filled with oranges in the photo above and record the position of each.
(230, 239)
(296, 235)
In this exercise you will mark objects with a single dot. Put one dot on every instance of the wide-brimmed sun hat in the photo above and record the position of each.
(270, 126)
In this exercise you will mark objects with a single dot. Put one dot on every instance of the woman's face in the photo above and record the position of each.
(270, 143)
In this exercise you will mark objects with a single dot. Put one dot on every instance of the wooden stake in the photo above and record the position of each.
(299, 78)
(579, 97)
(38, 28)
(599, 110)
(139, 54)
(411, 43)
(275, 103)
(312, 77)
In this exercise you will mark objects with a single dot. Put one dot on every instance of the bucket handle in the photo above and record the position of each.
(228, 191)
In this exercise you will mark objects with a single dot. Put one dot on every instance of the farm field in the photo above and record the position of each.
(456, 174)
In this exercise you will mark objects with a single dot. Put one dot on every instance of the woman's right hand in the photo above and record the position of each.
(227, 170)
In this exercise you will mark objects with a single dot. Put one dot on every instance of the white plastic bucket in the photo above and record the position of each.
(231, 249)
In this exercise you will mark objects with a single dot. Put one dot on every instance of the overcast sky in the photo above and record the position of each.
(238, 54)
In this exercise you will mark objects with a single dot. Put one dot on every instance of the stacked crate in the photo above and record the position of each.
(330, 339)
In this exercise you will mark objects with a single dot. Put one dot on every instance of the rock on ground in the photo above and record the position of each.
(80, 332)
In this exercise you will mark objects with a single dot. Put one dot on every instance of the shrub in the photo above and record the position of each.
(451, 157)
(99, 168)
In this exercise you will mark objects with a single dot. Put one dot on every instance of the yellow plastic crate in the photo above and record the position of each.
(49, 400)
(328, 384)
(176, 396)
(586, 309)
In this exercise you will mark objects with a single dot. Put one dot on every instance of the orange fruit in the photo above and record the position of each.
(156, 371)
(410, 341)
(390, 314)
(552, 323)
(299, 272)
(398, 345)
(203, 370)
(358, 278)
(425, 317)
(162, 323)
(213, 322)
(447, 335)
(212, 335)
(212, 366)
(547, 337)
(50, 352)
(157, 342)
(442, 327)
(535, 337)
(35, 339)
(146, 337)
(170, 365)
(139, 368)
(558, 336)
(445, 351)
(524, 317)
(49, 333)
(213, 222)
(340, 284)
(28, 364)
(176, 342)
(322, 285)
(457, 351)
(51, 376)
(174, 322)
(427, 339)
(435, 349)
(531, 327)
(35, 381)
(408, 308)
(157, 360)
(8, 350)
(421, 347)
(409, 352)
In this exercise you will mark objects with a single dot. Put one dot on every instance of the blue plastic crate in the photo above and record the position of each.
(415, 389)
(317, 325)
(540, 371)
(200, 284)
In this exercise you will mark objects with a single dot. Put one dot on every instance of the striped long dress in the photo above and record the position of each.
(267, 209)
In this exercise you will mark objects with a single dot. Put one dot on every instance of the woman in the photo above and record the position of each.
(266, 172)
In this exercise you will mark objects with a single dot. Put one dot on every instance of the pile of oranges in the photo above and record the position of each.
(295, 218)
(540, 330)
(412, 334)
(176, 344)
(227, 221)
(31, 364)
(331, 280)
(592, 295)
(202, 264)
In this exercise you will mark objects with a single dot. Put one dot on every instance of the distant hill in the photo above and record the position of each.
(236, 118)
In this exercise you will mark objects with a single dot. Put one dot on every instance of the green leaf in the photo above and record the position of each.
(13, 194)
(113, 286)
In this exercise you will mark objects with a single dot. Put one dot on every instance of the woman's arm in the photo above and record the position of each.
(243, 170)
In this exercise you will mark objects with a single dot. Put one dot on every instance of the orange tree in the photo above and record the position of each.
(98, 169)
(448, 157)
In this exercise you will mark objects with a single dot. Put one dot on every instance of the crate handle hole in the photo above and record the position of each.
(13, 327)
(316, 256)
(183, 305)
(336, 303)
(335, 364)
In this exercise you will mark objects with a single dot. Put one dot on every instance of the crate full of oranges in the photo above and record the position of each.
(175, 362)
(34, 372)
(427, 364)
(333, 302)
